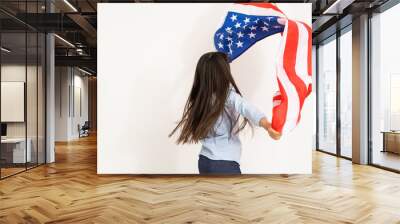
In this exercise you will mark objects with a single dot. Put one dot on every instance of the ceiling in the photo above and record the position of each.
(75, 22)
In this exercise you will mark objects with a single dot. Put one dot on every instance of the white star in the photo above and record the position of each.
(244, 27)
(246, 20)
(229, 38)
(237, 25)
(221, 37)
(230, 51)
(277, 27)
(252, 35)
(228, 29)
(239, 44)
(264, 28)
(253, 28)
(266, 24)
(240, 34)
(220, 45)
(233, 17)
(256, 21)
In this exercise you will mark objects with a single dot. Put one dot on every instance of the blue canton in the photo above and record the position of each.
(240, 31)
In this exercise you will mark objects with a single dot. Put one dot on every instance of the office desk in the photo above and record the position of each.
(13, 150)
(391, 141)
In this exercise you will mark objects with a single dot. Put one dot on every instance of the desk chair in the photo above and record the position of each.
(84, 130)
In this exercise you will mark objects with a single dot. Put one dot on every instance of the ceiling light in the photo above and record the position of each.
(65, 41)
(84, 71)
(5, 50)
(70, 5)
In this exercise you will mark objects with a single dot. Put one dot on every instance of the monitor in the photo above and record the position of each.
(3, 129)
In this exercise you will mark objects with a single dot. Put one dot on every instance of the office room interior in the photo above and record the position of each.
(85, 132)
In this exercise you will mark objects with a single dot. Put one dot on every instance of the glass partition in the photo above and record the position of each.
(32, 95)
(14, 153)
(41, 107)
(22, 101)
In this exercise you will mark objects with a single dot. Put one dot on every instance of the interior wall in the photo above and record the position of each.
(16, 72)
(71, 102)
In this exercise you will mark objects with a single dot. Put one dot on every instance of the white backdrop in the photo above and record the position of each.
(147, 54)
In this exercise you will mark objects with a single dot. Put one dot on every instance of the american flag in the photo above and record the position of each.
(242, 30)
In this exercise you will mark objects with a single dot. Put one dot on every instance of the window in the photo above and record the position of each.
(327, 96)
(385, 90)
(346, 92)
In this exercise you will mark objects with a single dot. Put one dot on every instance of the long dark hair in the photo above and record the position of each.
(206, 102)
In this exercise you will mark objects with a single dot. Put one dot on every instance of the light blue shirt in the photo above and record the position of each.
(224, 145)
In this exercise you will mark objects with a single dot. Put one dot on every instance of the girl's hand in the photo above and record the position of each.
(274, 134)
(267, 126)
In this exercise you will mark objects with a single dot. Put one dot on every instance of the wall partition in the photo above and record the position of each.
(22, 89)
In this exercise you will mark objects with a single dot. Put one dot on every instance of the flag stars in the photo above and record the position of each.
(246, 20)
(253, 28)
(221, 37)
(264, 28)
(237, 25)
(252, 35)
(240, 34)
(233, 17)
(239, 44)
(220, 45)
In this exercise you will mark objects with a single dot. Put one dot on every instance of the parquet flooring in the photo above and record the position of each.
(70, 191)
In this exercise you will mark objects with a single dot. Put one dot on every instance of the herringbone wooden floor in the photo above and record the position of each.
(69, 191)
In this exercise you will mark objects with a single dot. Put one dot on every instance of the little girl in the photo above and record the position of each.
(211, 116)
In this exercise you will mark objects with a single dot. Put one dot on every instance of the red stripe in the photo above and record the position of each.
(309, 89)
(289, 62)
(280, 111)
(309, 59)
(264, 5)
(277, 97)
(309, 62)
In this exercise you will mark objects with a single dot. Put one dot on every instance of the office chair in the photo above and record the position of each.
(84, 130)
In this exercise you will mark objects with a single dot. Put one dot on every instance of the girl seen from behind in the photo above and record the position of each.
(215, 113)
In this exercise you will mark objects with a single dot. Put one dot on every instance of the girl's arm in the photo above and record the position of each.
(250, 112)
